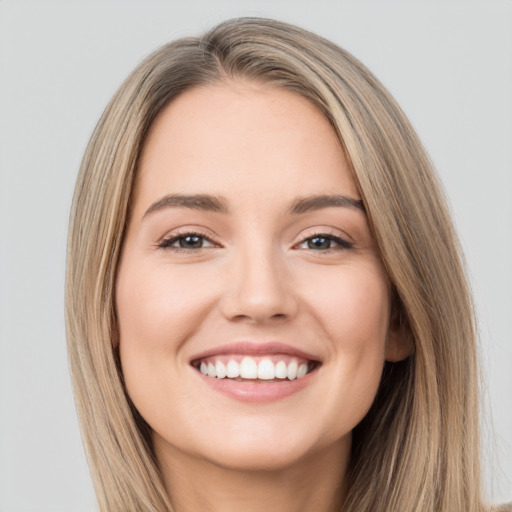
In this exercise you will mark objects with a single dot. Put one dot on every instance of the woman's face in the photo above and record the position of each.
(248, 251)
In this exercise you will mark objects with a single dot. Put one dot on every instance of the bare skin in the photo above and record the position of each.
(246, 232)
(301, 488)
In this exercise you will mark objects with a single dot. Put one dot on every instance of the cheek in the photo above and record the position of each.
(353, 307)
(158, 308)
(353, 313)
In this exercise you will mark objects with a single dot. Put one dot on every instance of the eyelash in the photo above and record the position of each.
(167, 243)
(342, 243)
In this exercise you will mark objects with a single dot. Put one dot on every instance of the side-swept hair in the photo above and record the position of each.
(418, 447)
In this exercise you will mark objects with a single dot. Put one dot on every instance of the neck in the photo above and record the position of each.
(314, 483)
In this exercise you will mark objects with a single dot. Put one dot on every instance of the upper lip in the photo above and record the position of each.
(255, 349)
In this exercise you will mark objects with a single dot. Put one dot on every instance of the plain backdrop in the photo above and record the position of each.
(448, 63)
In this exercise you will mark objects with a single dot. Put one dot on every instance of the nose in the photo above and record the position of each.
(260, 289)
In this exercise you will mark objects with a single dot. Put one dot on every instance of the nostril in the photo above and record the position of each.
(279, 316)
(258, 296)
(255, 317)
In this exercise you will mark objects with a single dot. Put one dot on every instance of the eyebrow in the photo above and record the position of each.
(217, 204)
(308, 204)
(202, 202)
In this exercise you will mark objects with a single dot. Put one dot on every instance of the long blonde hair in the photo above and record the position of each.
(418, 447)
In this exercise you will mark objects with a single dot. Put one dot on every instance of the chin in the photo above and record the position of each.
(259, 446)
(258, 457)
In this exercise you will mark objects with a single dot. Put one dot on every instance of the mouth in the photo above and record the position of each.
(257, 363)
(264, 369)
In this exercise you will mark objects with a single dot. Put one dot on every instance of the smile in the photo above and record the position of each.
(267, 368)
(256, 372)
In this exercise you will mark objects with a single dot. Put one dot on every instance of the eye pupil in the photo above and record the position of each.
(319, 242)
(191, 242)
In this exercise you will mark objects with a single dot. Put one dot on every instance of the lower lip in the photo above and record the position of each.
(257, 391)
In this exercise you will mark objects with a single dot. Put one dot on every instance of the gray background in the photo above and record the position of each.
(448, 63)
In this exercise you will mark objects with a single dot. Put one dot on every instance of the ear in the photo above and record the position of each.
(399, 342)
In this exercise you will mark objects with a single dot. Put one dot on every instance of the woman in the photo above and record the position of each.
(266, 305)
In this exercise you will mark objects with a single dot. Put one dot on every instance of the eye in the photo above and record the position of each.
(324, 242)
(186, 241)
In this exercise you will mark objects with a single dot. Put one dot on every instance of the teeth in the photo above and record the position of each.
(232, 369)
(281, 371)
(248, 368)
(303, 369)
(220, 369)
(291, 372)
(266, 370)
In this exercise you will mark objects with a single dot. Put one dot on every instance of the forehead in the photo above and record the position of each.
(242, 138)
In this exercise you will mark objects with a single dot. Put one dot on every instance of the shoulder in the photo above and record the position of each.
(502, 508)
